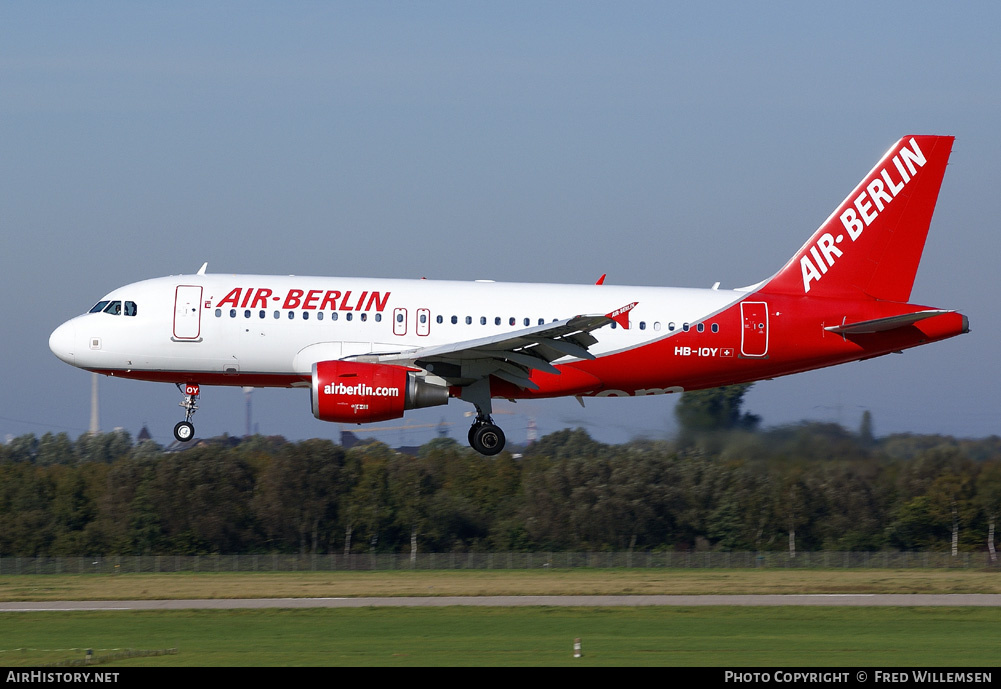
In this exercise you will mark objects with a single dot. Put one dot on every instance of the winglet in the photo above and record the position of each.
(621, 315)
(601, 280)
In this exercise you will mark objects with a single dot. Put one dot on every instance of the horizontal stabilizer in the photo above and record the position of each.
(879, 325)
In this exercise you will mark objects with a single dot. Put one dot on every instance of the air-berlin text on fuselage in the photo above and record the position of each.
(878, 193)
(313, 299)
(360, 390)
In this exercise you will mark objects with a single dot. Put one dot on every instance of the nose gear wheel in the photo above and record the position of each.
(185, 430)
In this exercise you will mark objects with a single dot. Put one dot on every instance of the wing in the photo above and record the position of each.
(510, 356)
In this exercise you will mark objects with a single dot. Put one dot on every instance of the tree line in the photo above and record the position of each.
(804, 487)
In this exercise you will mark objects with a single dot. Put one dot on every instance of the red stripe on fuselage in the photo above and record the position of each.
(797, 342)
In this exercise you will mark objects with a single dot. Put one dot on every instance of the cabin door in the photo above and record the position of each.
(754, 335)
(188, 312)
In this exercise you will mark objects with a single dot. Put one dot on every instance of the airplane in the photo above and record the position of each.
(369, 349)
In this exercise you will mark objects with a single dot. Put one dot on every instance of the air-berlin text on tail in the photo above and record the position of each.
(878, 192)
(314, 299)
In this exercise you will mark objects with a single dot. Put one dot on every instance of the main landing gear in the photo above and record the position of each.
(485, 437)
(185, 430)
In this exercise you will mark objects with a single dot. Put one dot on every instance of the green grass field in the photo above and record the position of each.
(543, 636)
(537, 636)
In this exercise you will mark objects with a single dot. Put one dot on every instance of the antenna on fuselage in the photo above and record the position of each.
(201, 271)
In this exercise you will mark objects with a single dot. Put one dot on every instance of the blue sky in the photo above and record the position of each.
(660, 143)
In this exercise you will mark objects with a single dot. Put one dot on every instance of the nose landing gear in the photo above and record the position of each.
(185, 430)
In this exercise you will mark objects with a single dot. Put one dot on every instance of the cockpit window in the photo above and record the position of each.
(115, 308)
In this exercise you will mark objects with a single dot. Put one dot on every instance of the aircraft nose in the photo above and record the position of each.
(62, 342)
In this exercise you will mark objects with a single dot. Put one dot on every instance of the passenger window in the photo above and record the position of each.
(218, 313)
(364, 317)
(715, 327)
(469, 320)
(483, 320)
(496, 320)
(378, 318)
(701, 327)
(511, 321)
(348, 316)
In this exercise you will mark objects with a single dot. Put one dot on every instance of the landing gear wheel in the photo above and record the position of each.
(184, 431)
(486, 438)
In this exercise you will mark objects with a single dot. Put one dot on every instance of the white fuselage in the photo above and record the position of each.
(256, 328)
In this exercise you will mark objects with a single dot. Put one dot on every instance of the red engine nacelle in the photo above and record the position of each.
(353, 392)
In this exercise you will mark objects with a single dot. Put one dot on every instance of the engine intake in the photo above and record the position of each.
(354, 392)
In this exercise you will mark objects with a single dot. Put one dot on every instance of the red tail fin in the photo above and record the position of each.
(872, 243)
